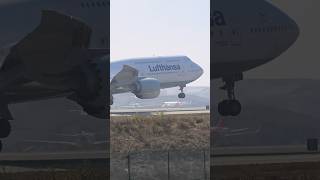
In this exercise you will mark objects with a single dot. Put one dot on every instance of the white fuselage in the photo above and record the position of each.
(170, 71)
(246, 34)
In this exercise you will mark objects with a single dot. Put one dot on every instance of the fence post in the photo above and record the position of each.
(168, 165)
(204, 164)
(129, 168)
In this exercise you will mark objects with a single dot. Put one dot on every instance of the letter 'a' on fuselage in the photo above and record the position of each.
(246, 34)
(217, 19)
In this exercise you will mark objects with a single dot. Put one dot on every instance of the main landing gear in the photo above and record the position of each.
(111, 99)
(230, 106)
(5, 127)
(182, 94)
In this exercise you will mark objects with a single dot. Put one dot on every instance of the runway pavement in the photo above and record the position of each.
(156, 111)
(262, 155)
(266, 159)
(53, 156)
(55, 160)
(242, 150)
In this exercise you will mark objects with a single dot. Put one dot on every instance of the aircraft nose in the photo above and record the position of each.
(292, 32)
(296, 30)
(200, 70)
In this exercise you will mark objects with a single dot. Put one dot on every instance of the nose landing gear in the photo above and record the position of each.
(182, 94)
(111, 99)
(231, 106)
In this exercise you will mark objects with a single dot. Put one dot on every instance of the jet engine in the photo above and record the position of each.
(147, 88)
(91, 93)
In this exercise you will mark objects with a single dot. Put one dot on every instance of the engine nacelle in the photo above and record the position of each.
(92, 91)
(147, 88)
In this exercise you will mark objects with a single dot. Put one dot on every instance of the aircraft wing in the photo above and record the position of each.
(122, 82)
(52, 52)
(56, 55)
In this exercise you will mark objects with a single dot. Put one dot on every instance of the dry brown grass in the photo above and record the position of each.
(159, 132)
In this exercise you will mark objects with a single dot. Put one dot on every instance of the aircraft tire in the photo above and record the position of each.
(181, 95)
(111, 100)
(223, 108)
(234, 107)
(229, 108)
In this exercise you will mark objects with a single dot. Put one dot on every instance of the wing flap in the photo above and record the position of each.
(124, 79)
(56, 46)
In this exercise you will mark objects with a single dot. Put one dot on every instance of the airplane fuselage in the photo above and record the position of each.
(246, 34)
(170, 71)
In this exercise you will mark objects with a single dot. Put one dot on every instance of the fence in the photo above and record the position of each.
(161, 165)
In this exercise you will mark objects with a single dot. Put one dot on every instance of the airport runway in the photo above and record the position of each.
(265, 159)
(224, 151)
(282, 162)
(55, 160)
(157, 111)
(53, 156)
(262, 155)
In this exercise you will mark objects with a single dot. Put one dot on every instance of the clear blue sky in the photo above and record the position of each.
(143, 28)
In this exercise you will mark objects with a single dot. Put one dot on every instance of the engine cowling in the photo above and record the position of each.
(147, 88)
(92, 91)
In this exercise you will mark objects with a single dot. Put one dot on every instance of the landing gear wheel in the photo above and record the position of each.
(5, 128)
(111, 100)
(223, 108)
(231, 106)
(234, 107)
(181, 95)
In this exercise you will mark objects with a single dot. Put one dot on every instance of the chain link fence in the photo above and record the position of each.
(161, 165)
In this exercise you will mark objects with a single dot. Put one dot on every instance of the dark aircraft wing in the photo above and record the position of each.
(54, 48)
(57, 55)
(52, 53)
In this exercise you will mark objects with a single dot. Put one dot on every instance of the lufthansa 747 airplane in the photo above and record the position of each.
(53, 48)
(146, 76)
(245, 34)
